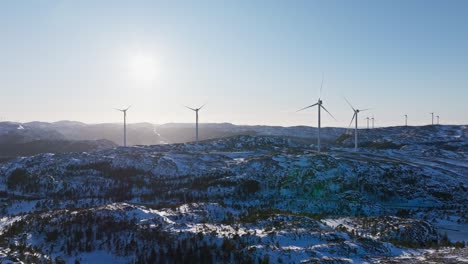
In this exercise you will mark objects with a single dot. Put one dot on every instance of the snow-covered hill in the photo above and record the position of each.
(444, 137)
(250, 199)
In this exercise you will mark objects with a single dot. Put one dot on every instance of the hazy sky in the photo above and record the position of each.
(251, 62)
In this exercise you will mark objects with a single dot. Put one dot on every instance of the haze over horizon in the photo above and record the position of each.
(362, 124)
(253, 63)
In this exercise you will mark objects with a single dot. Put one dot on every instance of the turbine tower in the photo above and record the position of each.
(319, 105)
(406, 120)
(367, 122)
(355, 117)
(437, 120)
(372, 121)
(124, 111)
(196, 123)
(432, 117)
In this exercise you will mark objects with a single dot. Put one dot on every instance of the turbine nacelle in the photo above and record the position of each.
(195, 109)
(123, 110)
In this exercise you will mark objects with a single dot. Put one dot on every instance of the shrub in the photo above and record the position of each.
(18, 177)
(249, 187)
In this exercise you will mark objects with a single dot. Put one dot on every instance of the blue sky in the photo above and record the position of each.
(251, 62)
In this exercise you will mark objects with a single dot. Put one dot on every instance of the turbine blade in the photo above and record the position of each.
(349, 104)
(121, 110)
(191, 108)
(128, 107)
(354, 115)
(364, 109)
(329, 112)
(307, 107)
(201, 106)
(321, 85)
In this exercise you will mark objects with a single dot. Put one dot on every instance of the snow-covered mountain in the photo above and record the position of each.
(243, 199)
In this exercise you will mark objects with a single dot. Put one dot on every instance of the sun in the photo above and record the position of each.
(143, 68)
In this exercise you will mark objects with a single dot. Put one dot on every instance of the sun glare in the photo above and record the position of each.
(143, 68)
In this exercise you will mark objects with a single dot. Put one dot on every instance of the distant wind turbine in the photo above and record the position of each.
(406, 120)
(196, 124)
(437, 119)
(372, 121)
(124, 111)
(432, 117)
(319, 105)
(355, 117)
(367, 122)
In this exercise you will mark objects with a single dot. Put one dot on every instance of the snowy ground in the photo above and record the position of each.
(242, 199)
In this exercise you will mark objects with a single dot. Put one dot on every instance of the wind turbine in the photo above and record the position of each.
(367, 122)
(319, 104)
(355, 117)
(432, 117)
(372, 121)
(124, 111)
(406, 120)
(196, 114)
(437, 119)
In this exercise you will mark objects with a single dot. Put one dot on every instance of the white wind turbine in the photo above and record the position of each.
(367, 122)
(406, 120)
(432, 114)
(355, 117)
(437, 119)
(124, 111)
(196, 124)
(319, 104)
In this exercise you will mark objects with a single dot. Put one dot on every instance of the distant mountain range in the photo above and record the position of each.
(151, 134)
(18, 139)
